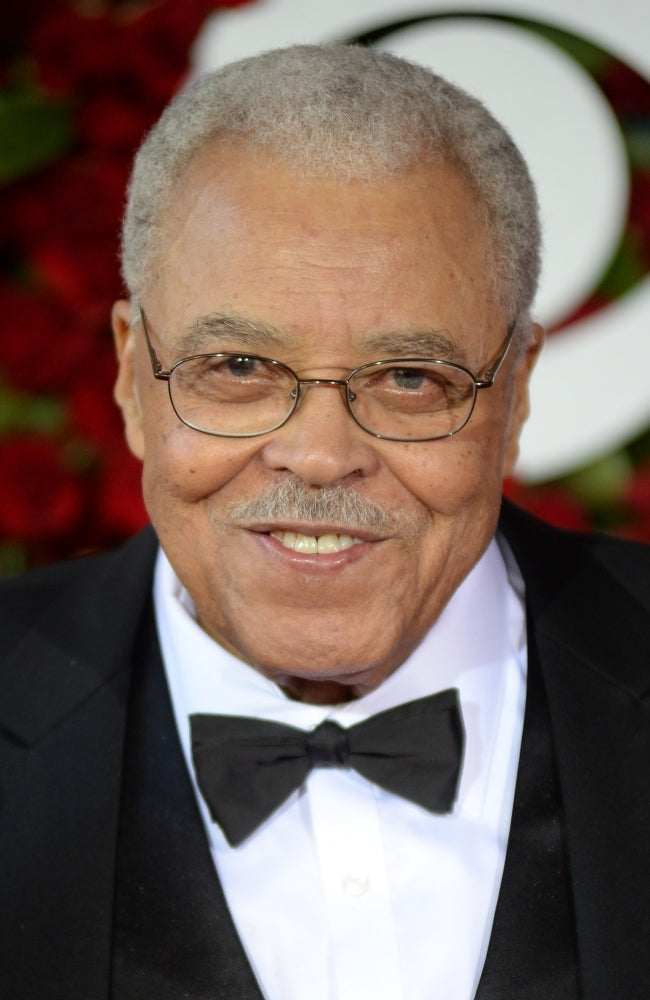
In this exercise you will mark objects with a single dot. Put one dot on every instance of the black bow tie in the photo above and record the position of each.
(246, 768)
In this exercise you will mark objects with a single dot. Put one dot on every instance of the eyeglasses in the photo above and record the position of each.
(239, 395)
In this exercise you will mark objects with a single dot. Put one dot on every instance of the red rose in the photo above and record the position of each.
(91, 407)
(640, 211)
(130, 49)
(119, 509)
(72, 51)
(65, 226)
(70, 235)
(552, 503)
(112, 123)
(627, 90)
(81, 273)
(43, 346)
(591, 305)
(158, 46)
(73, 196)
(16, 20)
(43, 498)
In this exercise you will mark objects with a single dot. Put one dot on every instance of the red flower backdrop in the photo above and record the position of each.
(82, 82)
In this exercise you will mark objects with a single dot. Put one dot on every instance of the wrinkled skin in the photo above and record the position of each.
(329, 267)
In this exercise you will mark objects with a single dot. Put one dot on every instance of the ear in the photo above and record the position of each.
(519, 401)
(125, 391)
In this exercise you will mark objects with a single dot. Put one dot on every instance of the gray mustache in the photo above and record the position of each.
(290, 501)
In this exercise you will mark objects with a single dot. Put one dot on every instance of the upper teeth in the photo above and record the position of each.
(314, 543)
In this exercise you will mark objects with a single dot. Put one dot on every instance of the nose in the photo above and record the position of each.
(321, 443)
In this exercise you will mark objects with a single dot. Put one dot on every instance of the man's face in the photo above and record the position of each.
(340, 275)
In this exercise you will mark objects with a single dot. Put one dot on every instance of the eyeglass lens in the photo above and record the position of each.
(243, 395)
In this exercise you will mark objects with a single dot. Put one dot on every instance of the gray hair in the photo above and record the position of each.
(344, 112)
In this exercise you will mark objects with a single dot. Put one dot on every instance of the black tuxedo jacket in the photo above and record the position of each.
(70, 637)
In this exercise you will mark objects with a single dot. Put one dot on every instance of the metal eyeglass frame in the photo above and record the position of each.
(164, 375)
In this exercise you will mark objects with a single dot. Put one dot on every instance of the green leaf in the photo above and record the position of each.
(34, 131)
(13, 558)
(20, 412)
(637, 133)
(625, 270)
(600, 483)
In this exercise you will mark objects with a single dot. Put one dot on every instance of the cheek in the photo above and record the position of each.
(453, 475)
(184, 467)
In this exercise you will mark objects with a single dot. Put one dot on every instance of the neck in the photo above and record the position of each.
(319, 692)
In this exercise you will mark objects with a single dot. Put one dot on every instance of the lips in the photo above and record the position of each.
(315, 544)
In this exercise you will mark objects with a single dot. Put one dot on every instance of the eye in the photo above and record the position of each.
(241, 367)
(237, 378)
(420, 387)
(228, 368)
(408, 378)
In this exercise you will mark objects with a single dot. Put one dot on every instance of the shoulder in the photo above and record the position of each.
(549, 555)
(587, 605)
(68, 630)
(627, 561)
(73, 587)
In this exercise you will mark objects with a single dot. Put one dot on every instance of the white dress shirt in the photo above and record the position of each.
(349, 892)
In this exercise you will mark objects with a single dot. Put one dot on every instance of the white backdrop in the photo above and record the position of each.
(590, 389)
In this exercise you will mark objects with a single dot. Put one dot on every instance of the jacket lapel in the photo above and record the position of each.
(532, 952)
(591, 637)
(65, 686)
(89, 675)
(173, 936)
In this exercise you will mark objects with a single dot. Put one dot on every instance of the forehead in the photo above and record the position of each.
(319, 259)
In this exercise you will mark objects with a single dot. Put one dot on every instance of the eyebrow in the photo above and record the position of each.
(247, 333)
(422, 343)
(221, 326)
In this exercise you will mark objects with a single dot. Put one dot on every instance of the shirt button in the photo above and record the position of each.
(355, 885)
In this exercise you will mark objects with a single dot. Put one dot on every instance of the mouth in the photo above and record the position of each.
(326, 522)
(325, 544)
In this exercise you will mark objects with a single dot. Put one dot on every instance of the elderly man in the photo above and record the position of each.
(337, 731)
